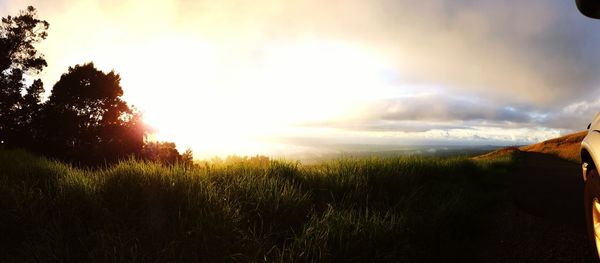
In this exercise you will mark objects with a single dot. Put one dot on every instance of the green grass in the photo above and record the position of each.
(363, 210)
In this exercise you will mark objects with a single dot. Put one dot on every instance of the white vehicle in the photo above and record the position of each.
(590, 156)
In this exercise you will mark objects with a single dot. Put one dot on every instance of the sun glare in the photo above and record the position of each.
(220, 96)
(221, 100)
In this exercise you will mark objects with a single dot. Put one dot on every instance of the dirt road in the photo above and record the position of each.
(542, 218)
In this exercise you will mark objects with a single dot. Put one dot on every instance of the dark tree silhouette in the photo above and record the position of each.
(187, 157)
(166, 153)
(85, 120)
(18, 58)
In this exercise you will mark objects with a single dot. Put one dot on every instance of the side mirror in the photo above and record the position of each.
(589, 8)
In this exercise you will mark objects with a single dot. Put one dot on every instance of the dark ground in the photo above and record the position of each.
(542, 217)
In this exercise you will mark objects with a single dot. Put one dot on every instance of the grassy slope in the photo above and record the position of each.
(372, 209)
(498, 154)
(566, 147)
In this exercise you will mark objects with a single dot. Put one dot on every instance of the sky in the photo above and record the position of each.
(278, 77)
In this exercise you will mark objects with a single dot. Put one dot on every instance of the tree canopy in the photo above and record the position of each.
(85, 120)
(18, 58)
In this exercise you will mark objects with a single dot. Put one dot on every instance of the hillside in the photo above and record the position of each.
(498, 154)
(534, 221)
(565, 147)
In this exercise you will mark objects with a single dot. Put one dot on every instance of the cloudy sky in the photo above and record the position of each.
(233, 76)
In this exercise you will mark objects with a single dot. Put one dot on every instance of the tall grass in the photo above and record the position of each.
(361, 210)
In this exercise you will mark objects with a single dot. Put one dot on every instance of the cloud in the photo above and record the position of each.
(522, 66)
(429, 111)
(519, 63)
(446, 107)
(574, 116)
(533, 52)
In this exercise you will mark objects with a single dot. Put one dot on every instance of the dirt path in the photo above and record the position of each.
(542, 218)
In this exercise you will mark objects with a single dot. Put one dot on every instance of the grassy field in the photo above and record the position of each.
(362, 210)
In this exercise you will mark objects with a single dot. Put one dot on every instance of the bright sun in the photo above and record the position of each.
(221, 100)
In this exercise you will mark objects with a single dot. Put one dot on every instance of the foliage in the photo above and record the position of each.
(408, 209)
(85, 119)
(18, 59)
(166, 153)
(187, 157)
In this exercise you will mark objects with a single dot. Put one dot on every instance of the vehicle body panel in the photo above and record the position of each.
(590, 146)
